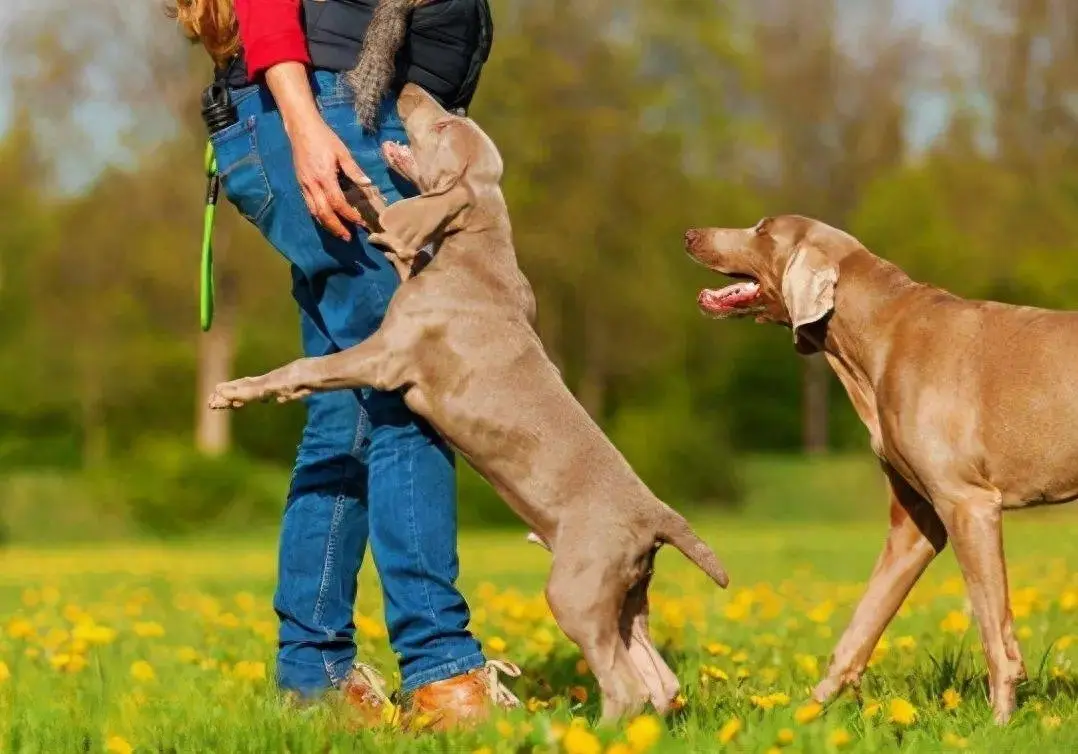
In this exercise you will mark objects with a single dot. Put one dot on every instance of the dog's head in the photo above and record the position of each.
(454, 164)
(786, 267)
(447, 149)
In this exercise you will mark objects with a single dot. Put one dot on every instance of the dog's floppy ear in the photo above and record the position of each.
(808, 289)
(408, 225)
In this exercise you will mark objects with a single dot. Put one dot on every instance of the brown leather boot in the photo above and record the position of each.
(462, 700)
(364, 692)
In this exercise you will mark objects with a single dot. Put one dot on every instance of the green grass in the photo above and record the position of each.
(794, 587)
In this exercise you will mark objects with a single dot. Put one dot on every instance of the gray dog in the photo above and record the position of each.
(459, 340)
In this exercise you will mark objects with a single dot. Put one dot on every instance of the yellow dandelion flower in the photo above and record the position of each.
(533, 705)
(954, 741)
(1024, 632)
(739, 657)
(142, 671)
(20, 628)
(59, 661)
(679, 702)
(581, 667)
(496, 644)
(713, 671)
(5, 671)
(736, 611)
(543, 638)
(773, 750)
(906, 643)
(785, 737)
(822, 612)
(743, 673)
(768, 675)
(770, 701)
(187, 654)
(75, 664)
(839, 738)
(117, 745)
(806, 713)
(1051, 721)
(1069, 600)
(228, 620)
(133, 609)
(250, 670)
(483, 750)
(902, 712)
(643, 733)
(951, 699)
(808, 663)
(870, 710)
(32, 652)
(729, 731)
(580, 740)
(717, 648)
(504, 728)
(245, 601)
(92, 633)
(149, 630)
(956, 622)
(1058, 672)
(618, 748)
(578, 694)
(1063, 642)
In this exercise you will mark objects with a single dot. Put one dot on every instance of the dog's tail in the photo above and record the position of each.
(675, 530)
(373, 74)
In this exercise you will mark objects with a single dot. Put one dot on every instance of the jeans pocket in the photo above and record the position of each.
(243, 178)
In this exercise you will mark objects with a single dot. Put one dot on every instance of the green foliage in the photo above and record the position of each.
(620, 125)
(167, 489)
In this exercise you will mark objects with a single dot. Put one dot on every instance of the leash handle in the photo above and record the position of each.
(213, 189)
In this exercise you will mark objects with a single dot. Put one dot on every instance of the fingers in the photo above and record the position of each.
(319, 205)
(351, 169)
(321, 184)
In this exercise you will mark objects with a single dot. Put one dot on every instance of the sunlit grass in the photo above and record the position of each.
(170, 648)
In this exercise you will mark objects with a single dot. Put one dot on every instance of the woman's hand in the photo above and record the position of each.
(318, 154)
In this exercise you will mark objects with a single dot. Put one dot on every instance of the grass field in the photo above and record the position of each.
(169, 648)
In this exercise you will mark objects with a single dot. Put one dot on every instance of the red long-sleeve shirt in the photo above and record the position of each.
(271, 32)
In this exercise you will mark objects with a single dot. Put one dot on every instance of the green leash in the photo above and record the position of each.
(213, 188)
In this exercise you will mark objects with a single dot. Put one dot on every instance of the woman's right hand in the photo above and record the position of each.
(318, 154)
(319, 157)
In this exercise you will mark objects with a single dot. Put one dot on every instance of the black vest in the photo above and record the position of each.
(448, 42)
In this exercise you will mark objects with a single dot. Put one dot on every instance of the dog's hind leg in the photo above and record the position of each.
(365, 364)
(587, 601)
(974, 520)
(661, 683)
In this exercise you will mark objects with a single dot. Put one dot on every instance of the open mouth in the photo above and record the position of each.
(738, 299)
(400, 158)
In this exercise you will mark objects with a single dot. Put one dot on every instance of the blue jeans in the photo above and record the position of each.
(367, 470)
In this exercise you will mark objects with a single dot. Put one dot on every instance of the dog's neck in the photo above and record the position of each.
(869, 296)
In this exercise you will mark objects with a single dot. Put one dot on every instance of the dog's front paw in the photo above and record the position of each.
(235, 393)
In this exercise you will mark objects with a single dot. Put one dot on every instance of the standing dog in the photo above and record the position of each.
(970, 406)
(458, 340)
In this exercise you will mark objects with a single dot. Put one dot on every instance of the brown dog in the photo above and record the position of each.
(970, 406)
(458, 339)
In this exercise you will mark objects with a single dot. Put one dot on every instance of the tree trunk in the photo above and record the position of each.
(216, 352)
(814, 422)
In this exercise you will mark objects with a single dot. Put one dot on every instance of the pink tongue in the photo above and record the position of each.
(730, 297)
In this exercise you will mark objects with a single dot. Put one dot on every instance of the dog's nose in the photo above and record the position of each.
(692, 235)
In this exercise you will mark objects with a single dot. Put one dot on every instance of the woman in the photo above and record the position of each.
(368, 470)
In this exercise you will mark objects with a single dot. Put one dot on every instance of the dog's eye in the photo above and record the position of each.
(762, 226)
